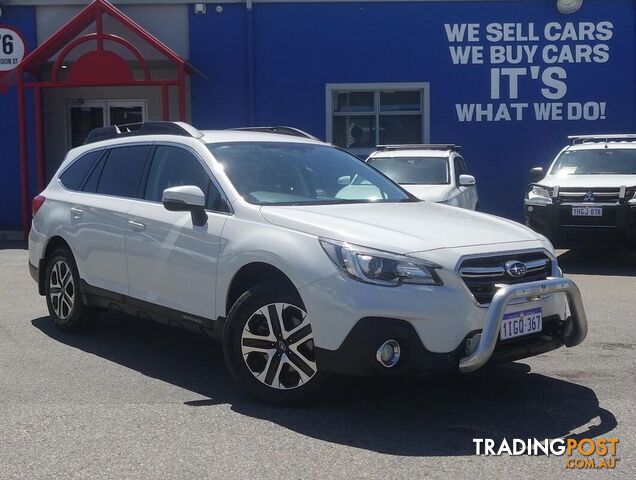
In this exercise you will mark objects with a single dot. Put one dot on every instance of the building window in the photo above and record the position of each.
(362, 116)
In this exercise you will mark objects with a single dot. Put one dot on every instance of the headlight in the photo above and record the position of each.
(378, 267)
(537, 192)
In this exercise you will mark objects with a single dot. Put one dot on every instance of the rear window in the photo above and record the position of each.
(73, 177)
(123, 170)
(413, 170)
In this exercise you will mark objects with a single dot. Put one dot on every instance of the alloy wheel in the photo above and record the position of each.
(62, 289)
(278, 347)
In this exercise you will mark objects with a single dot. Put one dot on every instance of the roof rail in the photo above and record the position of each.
(295, 132)
(144, 128)
(605, 138)
(423, 146)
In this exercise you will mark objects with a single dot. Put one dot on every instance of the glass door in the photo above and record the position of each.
(123, 112)
(92, 114)
(85, 117)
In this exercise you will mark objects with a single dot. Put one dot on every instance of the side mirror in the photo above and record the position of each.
(345, 180)
(188, 198)
(467, 181)
(536, 174)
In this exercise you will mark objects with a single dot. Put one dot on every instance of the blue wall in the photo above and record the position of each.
(301, 47)
(22, 19)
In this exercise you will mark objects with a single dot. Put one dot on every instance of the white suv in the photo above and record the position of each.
(437, 173)
(252, 238)
(588, 194)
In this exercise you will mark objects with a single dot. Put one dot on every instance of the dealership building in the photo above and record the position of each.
(507, 80)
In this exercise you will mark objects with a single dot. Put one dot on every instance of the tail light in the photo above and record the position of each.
(37, 203)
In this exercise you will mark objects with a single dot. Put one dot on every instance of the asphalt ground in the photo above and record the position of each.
(133, 399)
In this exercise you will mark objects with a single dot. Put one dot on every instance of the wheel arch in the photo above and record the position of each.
(51, 245)
(250, 275)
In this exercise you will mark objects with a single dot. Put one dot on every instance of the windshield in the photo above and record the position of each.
(281, 173)
(596, 162)
(413, 170)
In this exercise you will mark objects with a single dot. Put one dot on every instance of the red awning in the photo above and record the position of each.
(69, 33)
(98, 67)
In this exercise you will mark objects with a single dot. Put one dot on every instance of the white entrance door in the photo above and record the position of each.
(92, 114)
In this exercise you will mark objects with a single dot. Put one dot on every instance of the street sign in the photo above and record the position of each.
(11, 48)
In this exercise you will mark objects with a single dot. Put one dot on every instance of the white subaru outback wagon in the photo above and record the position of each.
(250, 237)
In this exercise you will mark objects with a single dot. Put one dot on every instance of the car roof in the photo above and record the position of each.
(209, 136)
(411, 153)
(602, 145)
(227, 136)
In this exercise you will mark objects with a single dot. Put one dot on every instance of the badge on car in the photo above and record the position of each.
(587, 211)
(515, 268)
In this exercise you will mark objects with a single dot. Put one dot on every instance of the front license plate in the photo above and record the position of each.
(521, 323)
(587, 211)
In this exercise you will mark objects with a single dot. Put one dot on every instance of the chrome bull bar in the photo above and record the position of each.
(575, 328)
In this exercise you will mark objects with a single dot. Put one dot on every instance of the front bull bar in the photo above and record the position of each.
(574, 332)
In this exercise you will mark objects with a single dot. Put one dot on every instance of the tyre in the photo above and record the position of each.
(62, 292)
(268, 345)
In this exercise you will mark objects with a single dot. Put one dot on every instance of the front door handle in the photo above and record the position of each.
(76, 212)
(136, 225)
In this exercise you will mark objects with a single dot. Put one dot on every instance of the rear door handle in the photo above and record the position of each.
(76, 212)
(136, 225)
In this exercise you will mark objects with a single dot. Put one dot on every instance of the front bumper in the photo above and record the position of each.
(424, 340)
(554, 220)
(356, 356)
(575, 328)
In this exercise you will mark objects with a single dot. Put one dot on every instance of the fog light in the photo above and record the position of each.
(388, 354)
(472, 343)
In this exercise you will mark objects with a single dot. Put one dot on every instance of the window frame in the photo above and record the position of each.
(376, 88)
(459, 160)
(102, 164)
(141, 191)
(80, 189)
(206, 170)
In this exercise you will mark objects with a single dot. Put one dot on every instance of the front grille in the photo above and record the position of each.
(596, 195)
(481, 274)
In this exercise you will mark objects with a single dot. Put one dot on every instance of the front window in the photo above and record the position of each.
(413, 170)
(362, 116)
(281, 173)
(596, 162)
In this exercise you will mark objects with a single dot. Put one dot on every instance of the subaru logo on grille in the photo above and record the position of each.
(515, 268)
(589, 197)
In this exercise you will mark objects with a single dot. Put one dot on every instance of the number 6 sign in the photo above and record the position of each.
(11, 49)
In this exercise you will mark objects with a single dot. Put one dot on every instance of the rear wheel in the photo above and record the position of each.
(269, 346)
(63, 298)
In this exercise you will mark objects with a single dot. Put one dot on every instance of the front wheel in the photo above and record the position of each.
(269, 345)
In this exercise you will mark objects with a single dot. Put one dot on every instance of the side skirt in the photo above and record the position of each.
(105, 299)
